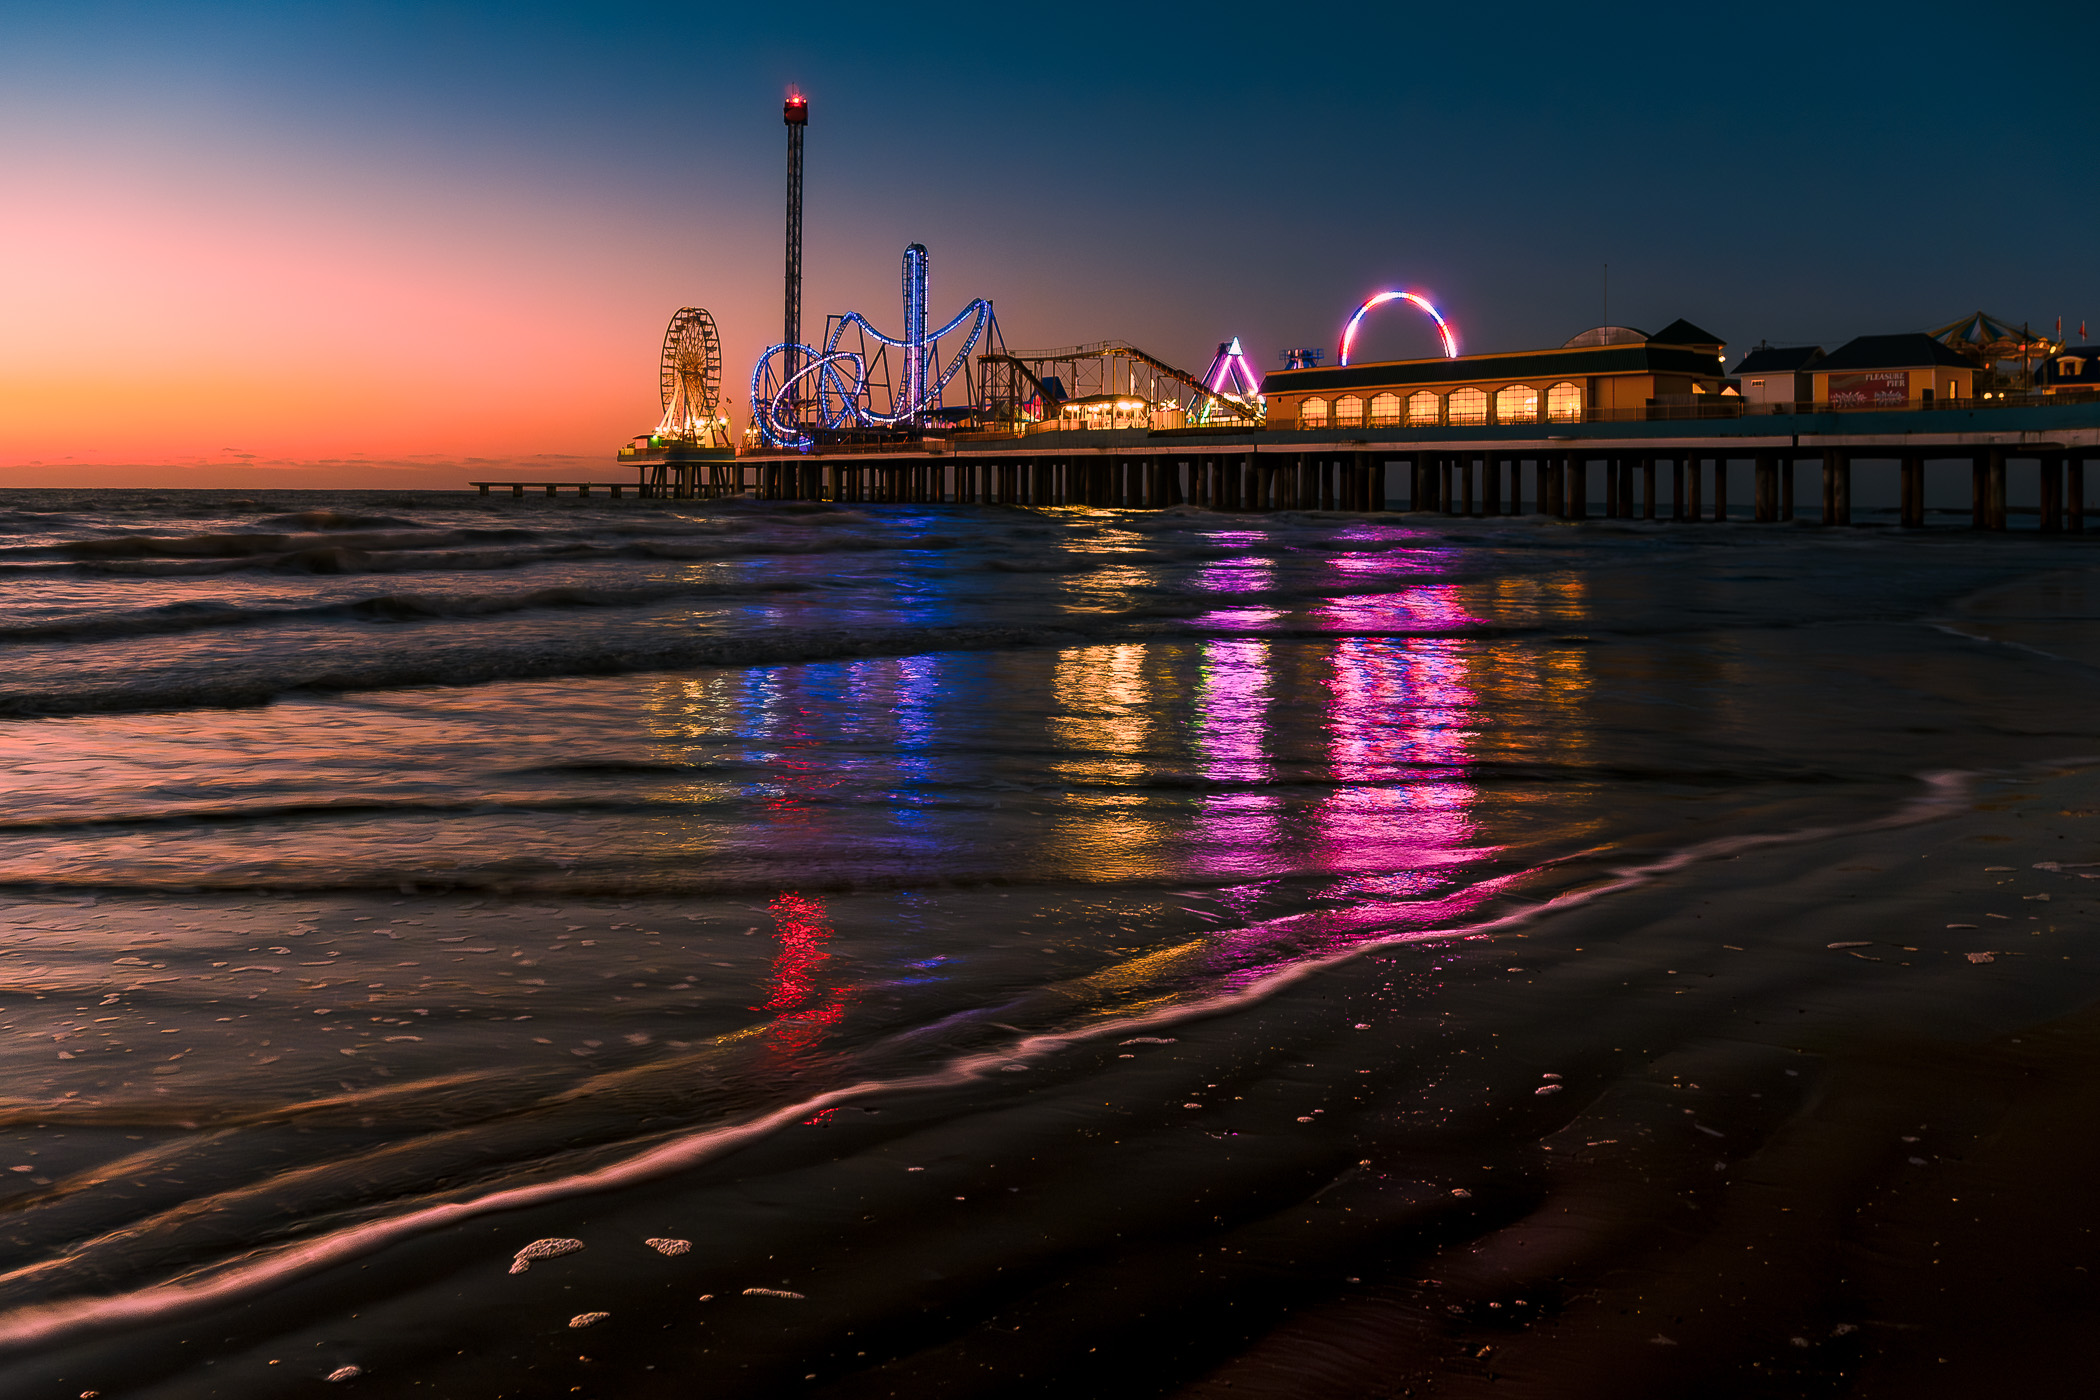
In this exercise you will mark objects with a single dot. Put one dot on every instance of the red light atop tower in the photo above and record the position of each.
(796, 110)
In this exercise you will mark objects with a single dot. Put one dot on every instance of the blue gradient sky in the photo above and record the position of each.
(373, 241)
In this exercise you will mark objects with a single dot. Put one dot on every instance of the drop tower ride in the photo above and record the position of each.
(795, 114)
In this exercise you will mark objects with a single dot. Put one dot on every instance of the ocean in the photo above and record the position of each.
(470, 948)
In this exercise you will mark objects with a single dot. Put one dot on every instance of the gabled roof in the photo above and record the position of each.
(1776, 359)
(1892, 352)
(1683, 332)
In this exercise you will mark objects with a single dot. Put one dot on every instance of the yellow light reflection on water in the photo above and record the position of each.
(1102, 724)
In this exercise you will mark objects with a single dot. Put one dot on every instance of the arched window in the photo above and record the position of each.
(1422, 409)
(1385, 410)
(1313, 413)
(1468, 406)
(1564, 403)
(1519, 403)
(1348, 411)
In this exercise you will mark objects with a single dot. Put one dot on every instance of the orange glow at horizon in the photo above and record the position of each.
(197, 313)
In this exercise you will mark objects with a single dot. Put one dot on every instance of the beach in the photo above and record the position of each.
(1038, 952)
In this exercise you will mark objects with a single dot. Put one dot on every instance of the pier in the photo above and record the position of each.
(1642, 471)
(555, 488)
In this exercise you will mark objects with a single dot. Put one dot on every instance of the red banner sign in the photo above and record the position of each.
(1880, 388)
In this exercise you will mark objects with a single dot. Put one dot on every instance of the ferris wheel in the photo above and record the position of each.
(690, 376)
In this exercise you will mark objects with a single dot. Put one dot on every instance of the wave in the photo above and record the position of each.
(308, 520)
(239, 545)
(174, 618)
(26, 522)
(585, 655)
(432, 552)
(469, 662)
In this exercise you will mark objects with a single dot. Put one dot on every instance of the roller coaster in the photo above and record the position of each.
(798, 390)
(1036, 385)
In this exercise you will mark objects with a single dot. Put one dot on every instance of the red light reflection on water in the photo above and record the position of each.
(804, 1011)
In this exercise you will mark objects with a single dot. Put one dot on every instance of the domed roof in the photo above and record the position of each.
(1608, 335)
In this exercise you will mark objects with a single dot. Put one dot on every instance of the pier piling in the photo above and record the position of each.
(1458, 480)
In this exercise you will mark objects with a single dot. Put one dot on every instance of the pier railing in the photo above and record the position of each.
(1727, 406)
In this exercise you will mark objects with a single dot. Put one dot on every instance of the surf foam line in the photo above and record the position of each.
(45, 1323)
(1951, 630)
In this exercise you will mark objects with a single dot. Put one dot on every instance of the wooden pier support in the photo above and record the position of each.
(1837, 486)
(2074, 495)
(2052, 493)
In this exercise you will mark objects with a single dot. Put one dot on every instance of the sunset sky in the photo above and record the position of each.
(404, 244)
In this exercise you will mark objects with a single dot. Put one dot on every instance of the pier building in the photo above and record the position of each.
(1609, 374)
(1777, 375)
(1892, 371)
(2073, 369)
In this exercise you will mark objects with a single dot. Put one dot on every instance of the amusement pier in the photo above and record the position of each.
(1659, 420)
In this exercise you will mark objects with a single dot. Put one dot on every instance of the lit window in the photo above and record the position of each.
(1519, 403)
(1468, 406)
(1313, 413)
(1385, 410)
(1564, 403)
(1348, 411)
(1422, 409)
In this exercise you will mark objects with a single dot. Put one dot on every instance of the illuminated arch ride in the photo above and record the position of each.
(836, 383)
(1444, 329)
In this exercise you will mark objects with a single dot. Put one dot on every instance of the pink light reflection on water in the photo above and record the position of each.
(1238, 832)
(1424, 610)
(1401, 719)
(1254, 574)
(1400, 724)
(1397, 830)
